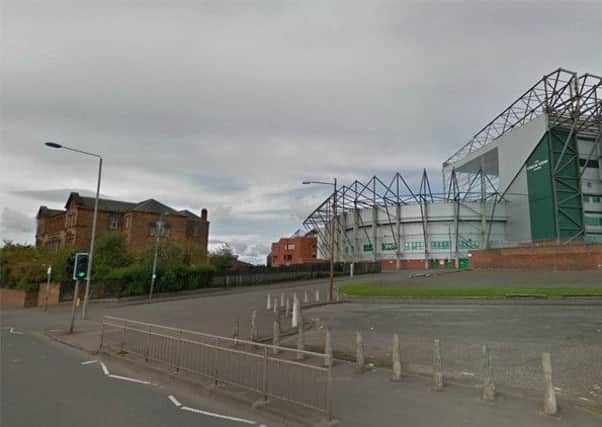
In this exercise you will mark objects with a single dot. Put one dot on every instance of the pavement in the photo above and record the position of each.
(516, 334)
(370, 398)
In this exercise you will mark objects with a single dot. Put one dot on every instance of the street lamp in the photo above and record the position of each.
(94, 217)
(159, 231)
(332, 233)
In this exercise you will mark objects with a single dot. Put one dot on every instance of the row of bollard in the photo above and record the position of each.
(274, 304)
(488, 391)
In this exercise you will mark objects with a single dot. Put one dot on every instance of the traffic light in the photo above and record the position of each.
(70, 266)
(80, 271)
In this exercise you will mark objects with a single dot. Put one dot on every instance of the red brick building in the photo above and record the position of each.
(72, 227)
(295, 250)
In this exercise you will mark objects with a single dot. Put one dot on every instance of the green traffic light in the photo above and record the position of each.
(81, 274)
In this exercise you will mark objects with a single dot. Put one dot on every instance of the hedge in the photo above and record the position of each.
(135, 279)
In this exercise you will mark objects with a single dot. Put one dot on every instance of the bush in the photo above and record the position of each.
(135, 279)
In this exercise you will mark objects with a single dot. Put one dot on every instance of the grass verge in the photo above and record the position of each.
(374, 291)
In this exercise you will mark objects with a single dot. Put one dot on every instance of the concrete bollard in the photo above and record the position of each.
(287, 308)
(236, 330)
(328, 348)
(253, 333)
(276, 337)
(276, 305)
(305, 297)
(295, 319)
(300, 340)
(396, 358)
(437, 371)
(360, 360)
(488, 391)
(268, 305)
(550, 407)
(282, 299)
(317, 291)
(337, 295)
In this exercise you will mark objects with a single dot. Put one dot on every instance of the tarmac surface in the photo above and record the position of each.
(517, 333)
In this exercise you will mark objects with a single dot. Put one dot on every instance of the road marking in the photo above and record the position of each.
(104, 368)
(468, 374)
(12, 331)
(89, 362)
(174, 401)
(133, 380)
(211, 414)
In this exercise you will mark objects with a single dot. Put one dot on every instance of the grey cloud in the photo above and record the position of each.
(230, 105)
(12, 221)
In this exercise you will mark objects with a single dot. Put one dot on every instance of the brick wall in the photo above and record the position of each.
(53, 295)
(542, 256)
(404, 264)
(18, 298)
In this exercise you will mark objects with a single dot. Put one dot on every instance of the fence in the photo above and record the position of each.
(264, 275)
(265, 369)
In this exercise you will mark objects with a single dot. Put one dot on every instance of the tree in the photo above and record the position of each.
(111, 253)
(223, 258)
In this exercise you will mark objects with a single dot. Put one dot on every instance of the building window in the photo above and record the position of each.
(70, 220)
(128, 222)
(290, 247)
(113, 223)
(155, 229)
(196, 229)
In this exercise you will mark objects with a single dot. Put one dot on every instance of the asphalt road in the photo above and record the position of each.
(43, 383)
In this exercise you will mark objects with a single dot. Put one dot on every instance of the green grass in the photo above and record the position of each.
(373, 291)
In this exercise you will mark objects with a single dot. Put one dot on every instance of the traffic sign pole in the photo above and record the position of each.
(74, 305)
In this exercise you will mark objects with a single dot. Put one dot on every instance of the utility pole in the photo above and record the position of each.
(332, 233)
(49, 274)
(159, 231)
(333, 243)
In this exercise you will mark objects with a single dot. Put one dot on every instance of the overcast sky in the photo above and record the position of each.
(230, 105)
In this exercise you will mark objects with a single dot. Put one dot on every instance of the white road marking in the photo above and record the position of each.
(133, 380)
(89, 362)
(12, 331)
(211, 414)
(468, 374)
(104, 368)
(174, 400)
(55, 330)
(584, 398)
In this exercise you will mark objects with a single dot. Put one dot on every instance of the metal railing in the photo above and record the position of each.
(300, 377)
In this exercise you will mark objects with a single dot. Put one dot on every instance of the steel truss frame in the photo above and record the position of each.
(570, 102)
(390, 197)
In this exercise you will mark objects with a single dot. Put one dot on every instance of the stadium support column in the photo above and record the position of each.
(398, 229)
(484, 242)
(374, 231)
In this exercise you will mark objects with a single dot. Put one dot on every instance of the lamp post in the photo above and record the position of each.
(94, 217)
(332, 233)
(159, 232)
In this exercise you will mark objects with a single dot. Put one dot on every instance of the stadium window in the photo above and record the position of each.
(591, 163)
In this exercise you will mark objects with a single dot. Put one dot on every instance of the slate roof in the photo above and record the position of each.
(47, 213)
(148, 206)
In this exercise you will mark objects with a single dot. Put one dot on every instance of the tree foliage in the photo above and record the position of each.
(223, 258)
